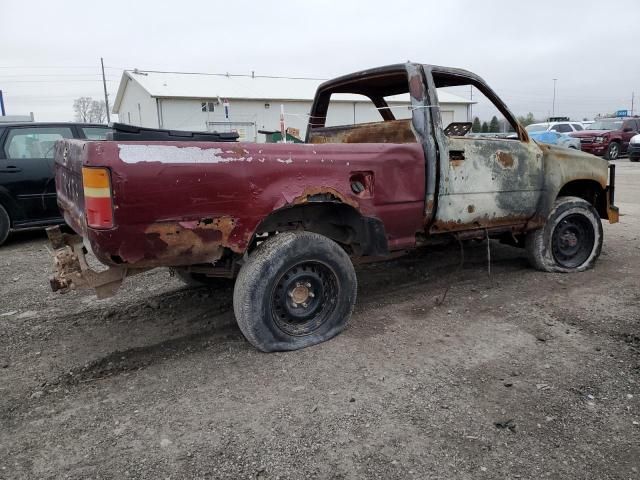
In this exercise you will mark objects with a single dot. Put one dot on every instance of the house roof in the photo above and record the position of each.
(205, 85)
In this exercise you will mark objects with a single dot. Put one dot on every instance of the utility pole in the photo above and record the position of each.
(104, 85)
(471, 104)
(553, 105)
(632, 99)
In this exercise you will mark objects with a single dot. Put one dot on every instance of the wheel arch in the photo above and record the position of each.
(589, 190)
(361, 235)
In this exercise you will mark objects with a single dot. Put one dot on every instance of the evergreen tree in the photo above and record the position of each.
(476, 127)
(494, 126)
(485, 127)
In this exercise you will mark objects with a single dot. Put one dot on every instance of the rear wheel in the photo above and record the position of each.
(5, 224)
(571, 239)
(613, 152)
(297, 289)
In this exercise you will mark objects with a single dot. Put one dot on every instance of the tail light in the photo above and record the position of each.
(97, 197)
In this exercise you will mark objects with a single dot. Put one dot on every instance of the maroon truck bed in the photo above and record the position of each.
(181, 203)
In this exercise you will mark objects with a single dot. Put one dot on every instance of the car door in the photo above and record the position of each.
(490, 182)
(26, 169)
(485, 182)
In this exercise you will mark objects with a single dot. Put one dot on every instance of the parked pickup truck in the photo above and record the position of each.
(608, 137)
(288, 221)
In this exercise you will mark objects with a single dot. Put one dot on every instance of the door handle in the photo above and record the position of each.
(456, 154)
(10, 169)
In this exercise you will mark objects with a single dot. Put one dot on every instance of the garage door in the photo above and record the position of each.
(246, 130)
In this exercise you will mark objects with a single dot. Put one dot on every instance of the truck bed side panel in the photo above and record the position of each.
(181, 203)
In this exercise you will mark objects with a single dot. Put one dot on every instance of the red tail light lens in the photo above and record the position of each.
(98, 205)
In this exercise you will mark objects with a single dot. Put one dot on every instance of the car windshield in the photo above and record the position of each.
(537, 127)
(606, 125)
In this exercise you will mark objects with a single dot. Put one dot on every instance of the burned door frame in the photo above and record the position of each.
(484, 183)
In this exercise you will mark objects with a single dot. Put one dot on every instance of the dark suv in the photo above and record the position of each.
(27, 185)
(608, 137)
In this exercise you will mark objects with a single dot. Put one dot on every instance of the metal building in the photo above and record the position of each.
(247, 103)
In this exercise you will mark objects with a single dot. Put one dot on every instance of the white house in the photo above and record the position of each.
(247, 103)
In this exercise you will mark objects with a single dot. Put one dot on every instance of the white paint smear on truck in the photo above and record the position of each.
(172, 154)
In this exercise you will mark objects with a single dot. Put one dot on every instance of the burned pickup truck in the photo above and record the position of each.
(286, 222)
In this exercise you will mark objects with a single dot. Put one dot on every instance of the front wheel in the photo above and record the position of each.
(613, 152)
(297, 289)
(571, 239)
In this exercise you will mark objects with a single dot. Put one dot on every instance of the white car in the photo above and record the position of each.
(560, 127)
(634, 149)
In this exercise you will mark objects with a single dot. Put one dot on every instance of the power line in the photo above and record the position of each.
(55, 81)
(56, 75)
(245, 75)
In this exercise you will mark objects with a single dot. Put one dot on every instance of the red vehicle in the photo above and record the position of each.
(608, 137)
(288, 221)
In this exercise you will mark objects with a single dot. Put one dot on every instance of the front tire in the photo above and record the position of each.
(571, 239)
(5, 224)
(613, 152)
(297, 289)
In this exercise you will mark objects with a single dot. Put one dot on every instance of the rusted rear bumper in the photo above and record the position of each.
(71, 270)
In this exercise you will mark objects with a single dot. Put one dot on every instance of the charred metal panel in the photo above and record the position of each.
(392, 131)
(423, 126)
(488, 182)
(563, 165)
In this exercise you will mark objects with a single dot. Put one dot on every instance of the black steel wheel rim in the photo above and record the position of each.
(573, 240)
(304, 297)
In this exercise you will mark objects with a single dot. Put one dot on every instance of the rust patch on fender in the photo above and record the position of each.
(505, 159)
(315, 194)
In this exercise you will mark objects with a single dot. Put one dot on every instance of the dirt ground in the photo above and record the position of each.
(520, 374)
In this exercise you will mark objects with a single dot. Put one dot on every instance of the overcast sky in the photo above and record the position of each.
(50, 50)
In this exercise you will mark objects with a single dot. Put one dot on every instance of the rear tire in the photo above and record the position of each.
(571, 239)
(297, 289)
(613, 151)
(201, 280)
(5, 224)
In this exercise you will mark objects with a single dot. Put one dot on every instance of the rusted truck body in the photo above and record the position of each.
(290, 214)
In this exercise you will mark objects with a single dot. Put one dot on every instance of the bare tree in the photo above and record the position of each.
(82, 107)
(88, 110)
(98, 111)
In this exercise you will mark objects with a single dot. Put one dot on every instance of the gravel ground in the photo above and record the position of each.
(520, 374)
